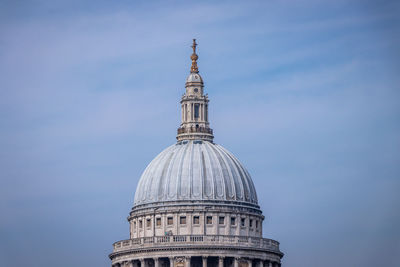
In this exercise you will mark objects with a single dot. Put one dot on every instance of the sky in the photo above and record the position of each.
(305, 93)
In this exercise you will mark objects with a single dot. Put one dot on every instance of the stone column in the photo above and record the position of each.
(156, 262)
(206, 112)
(248, 225)
(236, 262)
(215, 223)
(204, 223)
(137, 227)
(189, 222)
(261, 263)
(171, 262)
(228, 224)
(200, 112)
(270, 264)
(176, 221)
(130, 264)
(142, 263)
(204, 261)
(187, 261)
(183, 113)
(221, 262)
(250, 263)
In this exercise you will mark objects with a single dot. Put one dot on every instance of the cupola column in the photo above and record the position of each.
(221, 262)
(236, 262)
(187, 261)
(204, 258)
(156, 262)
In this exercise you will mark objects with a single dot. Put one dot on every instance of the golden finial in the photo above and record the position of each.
(194, 58)
(194, 46)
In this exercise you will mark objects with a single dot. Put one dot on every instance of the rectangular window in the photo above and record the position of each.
(257, 224)
(251, 223)
(158, 221)
(182, 220)
(196, 220)
(134, 224)
(140, 224)
(148, 222)
(243, 222)
(196, 111)
(170, 221)
(221, 220)
(209, 220)
(233, 221)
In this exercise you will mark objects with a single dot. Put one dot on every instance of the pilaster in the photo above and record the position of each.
(220, 261)
(204, 258)
(187, 261)
(236, 262)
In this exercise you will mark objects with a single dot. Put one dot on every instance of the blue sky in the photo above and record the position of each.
(304, 93)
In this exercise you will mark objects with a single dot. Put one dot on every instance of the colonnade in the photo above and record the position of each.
(186, 261)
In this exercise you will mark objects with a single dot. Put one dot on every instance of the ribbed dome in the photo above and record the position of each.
(194, 77)
(195, 170)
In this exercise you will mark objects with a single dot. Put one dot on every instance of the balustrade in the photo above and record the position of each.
(221, 240)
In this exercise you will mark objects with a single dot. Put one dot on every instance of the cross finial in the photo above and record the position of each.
(194, 46)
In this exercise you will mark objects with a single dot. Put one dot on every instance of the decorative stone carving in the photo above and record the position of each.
(180, 259)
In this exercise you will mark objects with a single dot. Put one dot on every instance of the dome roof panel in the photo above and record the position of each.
(193, 78)
(195, 170)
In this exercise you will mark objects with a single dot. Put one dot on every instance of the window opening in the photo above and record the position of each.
(182, 220)
(196, 111)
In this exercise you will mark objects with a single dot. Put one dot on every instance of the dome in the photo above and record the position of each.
(194, 77)
(195, 170)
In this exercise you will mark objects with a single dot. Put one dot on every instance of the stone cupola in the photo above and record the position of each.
(194, 104)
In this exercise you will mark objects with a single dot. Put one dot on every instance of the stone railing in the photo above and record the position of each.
(195, 130)
(197, 240)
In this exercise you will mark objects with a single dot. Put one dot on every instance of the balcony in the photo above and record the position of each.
(198, 240)
(195, 130)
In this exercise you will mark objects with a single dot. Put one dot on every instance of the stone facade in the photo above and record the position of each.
(195, 205)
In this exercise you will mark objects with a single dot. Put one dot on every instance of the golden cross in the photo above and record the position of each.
(194, 46)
